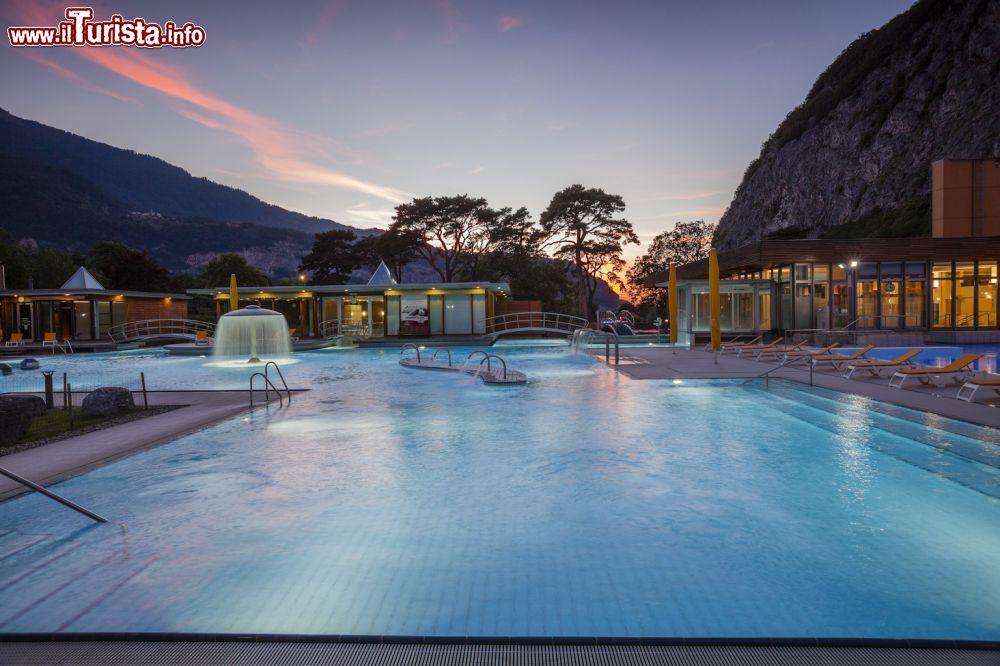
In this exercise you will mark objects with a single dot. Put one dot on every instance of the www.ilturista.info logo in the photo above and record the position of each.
(80, 30)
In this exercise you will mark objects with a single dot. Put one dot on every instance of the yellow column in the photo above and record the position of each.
(714, 301)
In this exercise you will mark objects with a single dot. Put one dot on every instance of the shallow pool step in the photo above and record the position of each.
(13, 542)
(966, 440)
(943, 463)
(43, 591)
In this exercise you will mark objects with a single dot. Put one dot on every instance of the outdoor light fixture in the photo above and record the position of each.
(854, 263)
(841, 266)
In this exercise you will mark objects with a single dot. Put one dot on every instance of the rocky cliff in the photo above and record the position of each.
(924, 86)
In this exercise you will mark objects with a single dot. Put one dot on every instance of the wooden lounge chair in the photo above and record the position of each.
(757, 348)
(791, 357)
(957, 370)
(839, 361)
(734, 345)
(877, 367)
(776, 352)
(968, 390)
(16, 340)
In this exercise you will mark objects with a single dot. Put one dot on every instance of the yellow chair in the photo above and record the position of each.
(973, 385)
(775, 352)
(201, 337)
(876, 367)
(754, 348)
(805, 354)
(957, 370)
(839, 361)
(734, 345)
(16, 340)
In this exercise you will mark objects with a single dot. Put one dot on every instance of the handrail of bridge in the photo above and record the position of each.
(329, 328)
(159, 327)
(553, 321)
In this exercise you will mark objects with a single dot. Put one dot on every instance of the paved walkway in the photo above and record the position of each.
(660, 363)
(60, 460)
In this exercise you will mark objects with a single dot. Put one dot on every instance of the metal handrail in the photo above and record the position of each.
(51, 495)
(489, 366)
(280, 376)
(438, 351)
(767, 373)
(326, 325)
(146, 327)
(608, 337)
(550, 320)
(410, 345)
(267, 392)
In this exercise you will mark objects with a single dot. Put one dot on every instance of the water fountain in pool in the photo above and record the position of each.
(251, 332)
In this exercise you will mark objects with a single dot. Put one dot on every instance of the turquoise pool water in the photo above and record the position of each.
(396, 501)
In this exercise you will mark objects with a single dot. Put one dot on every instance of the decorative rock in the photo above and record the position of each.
(108, 401)
(30, 364)
(15, 421)
(32, 404)
(6, 369)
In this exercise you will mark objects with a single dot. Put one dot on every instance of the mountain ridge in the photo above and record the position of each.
(145, 183)
(925, 86)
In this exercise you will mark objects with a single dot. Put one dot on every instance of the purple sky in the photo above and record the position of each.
(343, 109)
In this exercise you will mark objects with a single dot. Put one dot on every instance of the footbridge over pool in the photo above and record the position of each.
(162, 329)
(533, 323)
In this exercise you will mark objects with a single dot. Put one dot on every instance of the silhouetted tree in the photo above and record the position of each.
(119, 266)
(219, 269)
(581, 227)
(686, 242)
(333, 257)
(456, 232)
(395, 247)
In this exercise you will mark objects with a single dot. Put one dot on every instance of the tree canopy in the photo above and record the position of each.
(686, 242)
(580, 225)
(457, 232)
(219, 269)
(332, 259)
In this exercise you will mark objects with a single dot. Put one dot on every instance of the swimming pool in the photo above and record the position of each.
(407, 502)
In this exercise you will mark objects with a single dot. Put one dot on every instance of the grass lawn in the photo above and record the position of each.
(56, 421)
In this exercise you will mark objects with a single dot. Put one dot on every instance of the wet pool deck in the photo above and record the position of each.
(663, 363)
(49, 463)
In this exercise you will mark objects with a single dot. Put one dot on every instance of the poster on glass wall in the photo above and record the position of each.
(413, 315)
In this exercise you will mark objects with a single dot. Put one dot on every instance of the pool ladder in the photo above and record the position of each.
(269, 385)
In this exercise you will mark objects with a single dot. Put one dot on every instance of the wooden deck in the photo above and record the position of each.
(493, 375)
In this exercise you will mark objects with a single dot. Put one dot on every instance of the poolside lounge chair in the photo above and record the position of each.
(957, 370)
(49, 340)
(968, 390)
(201, 337)
(16, 340)
(756, 348)
(805, 354)
(876, 367)
(775, 352)
(839, 361)
(734, 345)
(292, 336)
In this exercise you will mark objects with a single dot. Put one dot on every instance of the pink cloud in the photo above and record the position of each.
(282, 151)
(505, 23)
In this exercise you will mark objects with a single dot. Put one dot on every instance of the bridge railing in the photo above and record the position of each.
(553, 321)
(146, 328)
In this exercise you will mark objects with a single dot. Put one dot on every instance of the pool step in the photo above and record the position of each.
(944, 463)
(966, 440)
(97, 569)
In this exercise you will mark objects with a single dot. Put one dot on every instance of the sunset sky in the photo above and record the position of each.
(344, 109)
